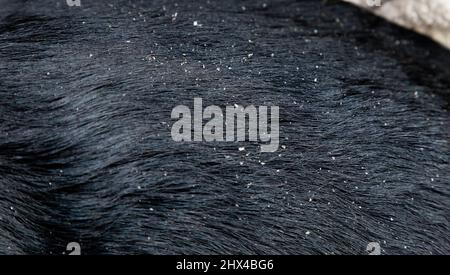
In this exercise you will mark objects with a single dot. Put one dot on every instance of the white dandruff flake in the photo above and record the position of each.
(241, 149)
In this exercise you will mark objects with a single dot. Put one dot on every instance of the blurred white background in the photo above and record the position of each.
(428, 17)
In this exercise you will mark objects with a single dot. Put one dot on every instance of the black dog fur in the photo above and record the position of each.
(86, 153)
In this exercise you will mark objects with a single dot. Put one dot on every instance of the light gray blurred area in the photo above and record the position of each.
(428, 17)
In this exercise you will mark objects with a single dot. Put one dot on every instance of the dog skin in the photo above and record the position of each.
(86, 153)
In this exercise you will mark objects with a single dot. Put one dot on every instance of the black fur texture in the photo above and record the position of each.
(86, 154)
